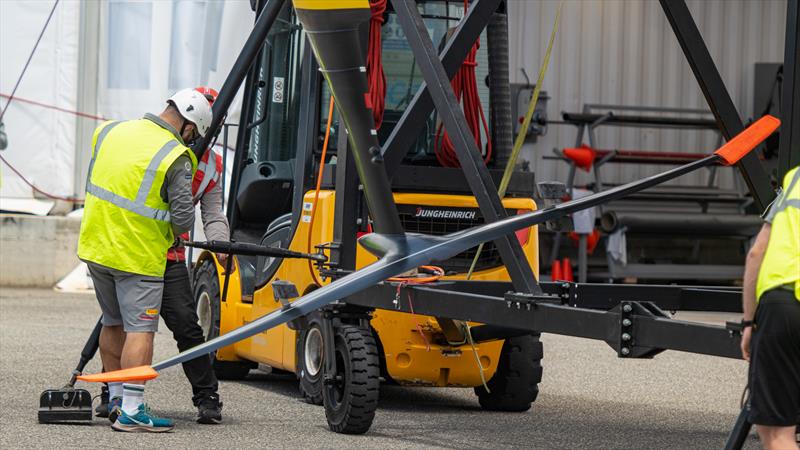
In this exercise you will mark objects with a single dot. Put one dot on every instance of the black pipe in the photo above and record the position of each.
(335, 38)
(88, 352)
(682, 223)
(483, 333)
(239, 71)
(499, 89)
(247, 249)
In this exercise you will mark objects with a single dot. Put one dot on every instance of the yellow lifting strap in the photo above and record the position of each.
(523, 131)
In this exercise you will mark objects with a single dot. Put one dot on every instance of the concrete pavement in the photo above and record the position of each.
(589, 398)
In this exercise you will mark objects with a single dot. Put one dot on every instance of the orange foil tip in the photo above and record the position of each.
(132, 374)
(747, 140)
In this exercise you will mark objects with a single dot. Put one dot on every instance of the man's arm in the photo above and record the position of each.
(751, 267)
(215, 224)
(177, 191)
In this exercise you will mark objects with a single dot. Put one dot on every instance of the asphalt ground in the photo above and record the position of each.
(589, 398)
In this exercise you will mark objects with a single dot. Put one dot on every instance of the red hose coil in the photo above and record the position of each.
(375, 76)
(465, 86)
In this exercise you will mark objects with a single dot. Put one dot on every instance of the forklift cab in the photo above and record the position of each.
(283, 119)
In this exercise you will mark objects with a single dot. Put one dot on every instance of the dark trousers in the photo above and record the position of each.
(180, 314)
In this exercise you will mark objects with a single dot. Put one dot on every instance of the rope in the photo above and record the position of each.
(57, 108)
(32, 186)
(435, 273)
(27, 63)
(375, 76)
(523, 132)
(319, 185)
(465, 86)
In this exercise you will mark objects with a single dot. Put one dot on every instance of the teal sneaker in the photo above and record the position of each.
(143, 420)
(114, 408)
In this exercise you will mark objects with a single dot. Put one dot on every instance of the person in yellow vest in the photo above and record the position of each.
(771, 304)
(138, 200)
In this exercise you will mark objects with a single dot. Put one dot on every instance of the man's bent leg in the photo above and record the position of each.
(180, 314)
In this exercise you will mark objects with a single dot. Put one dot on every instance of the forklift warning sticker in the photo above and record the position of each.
(444, 213)
(306, 219)
(277, 90)
(307, 206)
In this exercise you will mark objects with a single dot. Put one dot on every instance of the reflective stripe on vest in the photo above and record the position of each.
(138, 205)
(781, 263)
(209, 170)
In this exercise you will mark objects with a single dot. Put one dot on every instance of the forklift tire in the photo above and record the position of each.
(309, 360)
(207, 298)
(351, 399)
(515, 384)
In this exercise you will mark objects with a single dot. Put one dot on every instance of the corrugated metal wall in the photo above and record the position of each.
(624, 52)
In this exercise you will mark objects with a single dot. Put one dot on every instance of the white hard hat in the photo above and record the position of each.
(194, 107)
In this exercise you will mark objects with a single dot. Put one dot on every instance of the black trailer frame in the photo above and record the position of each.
(631, 319)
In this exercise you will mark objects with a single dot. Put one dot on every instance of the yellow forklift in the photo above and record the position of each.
(286, 193)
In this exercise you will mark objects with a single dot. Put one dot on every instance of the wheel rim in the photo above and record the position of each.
(313, 352)
(204, 313)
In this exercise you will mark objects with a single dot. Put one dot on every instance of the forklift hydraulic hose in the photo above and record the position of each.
(244, 248)
(400, 253)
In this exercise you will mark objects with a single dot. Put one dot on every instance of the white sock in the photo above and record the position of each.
(114, 390)
(132, 397)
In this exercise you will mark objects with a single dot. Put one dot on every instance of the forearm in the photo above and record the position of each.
(749, 286)
(215, 224)
(751, 268)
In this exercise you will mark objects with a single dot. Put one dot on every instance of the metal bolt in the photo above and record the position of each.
(626, 337)
(625, 351)
(626, 322)
(627, 308)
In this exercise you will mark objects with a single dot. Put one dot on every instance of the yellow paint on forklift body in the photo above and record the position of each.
(410, 358)
(330, 4)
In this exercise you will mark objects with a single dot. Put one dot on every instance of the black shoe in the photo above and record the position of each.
(102, 408)
(209, 409)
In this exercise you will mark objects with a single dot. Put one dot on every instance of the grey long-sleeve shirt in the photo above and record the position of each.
(177, 191)
(215, 224)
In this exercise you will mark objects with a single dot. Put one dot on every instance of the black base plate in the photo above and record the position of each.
(65, 405)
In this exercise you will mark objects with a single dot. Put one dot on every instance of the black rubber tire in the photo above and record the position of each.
(351, 401)
(207, 282)
(515, 384)
(310, 386)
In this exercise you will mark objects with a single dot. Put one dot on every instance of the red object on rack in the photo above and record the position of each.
(582, 156)
(465, 86)
(555, 272)
(567, 270)
(376, 98)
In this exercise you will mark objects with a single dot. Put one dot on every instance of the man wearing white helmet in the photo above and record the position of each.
(138, 200)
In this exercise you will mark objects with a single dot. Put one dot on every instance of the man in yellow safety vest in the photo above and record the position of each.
(138, 199)
(771, 304)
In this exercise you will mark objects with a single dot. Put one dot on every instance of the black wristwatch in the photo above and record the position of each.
(746, 323)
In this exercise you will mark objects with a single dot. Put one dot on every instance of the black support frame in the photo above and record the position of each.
(649, 329)
(717, 96)
(789, 147)
(469, 156)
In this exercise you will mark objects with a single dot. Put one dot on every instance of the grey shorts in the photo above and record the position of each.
(127, 299)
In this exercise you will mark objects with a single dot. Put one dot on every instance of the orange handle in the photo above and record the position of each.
(747, 140)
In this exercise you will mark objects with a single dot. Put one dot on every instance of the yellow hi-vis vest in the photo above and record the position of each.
(781, 263)
(126, 224)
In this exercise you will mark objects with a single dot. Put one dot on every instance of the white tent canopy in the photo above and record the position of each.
(117, 60)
